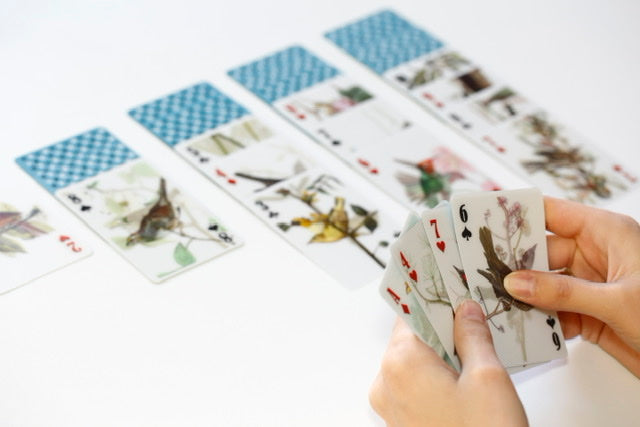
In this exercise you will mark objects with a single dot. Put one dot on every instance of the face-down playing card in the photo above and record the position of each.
(412, 255)
(397, 292)
(499, 232)
(222, 139)
(142, 214)
(33, 241)
(489, 112)
(361, 128)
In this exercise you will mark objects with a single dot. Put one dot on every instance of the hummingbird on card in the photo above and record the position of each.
(161, 216)
(428, 184)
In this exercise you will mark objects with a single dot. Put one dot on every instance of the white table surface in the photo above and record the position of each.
(261, 336)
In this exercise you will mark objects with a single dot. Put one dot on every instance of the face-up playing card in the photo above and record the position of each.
(222, 139)
(361, 128)
(142, 214)
(397, 292)
(324, 217)
(422, 174)
(33, 242)
(438, 225)
(483, 108)
(413, 256)
(499, 232)
(279, 181)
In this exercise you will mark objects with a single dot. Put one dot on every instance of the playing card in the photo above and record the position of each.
(438, 224)
(560, 160)
(498, 232)
(142, 214)
(33, 241)
(413, 256)
(324, 217)
(422, 175)
(483, 108)
(358, 126)
(222, 139)
(395, 290)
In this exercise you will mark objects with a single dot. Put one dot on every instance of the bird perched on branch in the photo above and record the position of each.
(495, 274)
(161, 216)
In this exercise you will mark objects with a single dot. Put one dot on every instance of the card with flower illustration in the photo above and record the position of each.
(143, 215)
(366, 131)
(325, 217)
(499, 232)
(33, 240)
(480, 106)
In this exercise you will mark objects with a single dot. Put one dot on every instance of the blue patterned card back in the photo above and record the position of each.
(383, 40)
(283, 73)
(75, 159)
(190, 112)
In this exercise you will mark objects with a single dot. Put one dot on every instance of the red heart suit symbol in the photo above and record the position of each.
(413, 275)
(440, 245)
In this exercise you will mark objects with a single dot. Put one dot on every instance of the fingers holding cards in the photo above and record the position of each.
(465, 249)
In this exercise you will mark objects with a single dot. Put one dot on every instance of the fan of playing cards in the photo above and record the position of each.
(465, 249)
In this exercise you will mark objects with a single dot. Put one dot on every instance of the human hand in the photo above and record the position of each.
(415, 387)
(601, 301)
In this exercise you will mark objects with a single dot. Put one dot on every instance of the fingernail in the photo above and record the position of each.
(520, 284)
(471, 310)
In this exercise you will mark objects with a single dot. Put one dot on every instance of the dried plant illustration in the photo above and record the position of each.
(15, 226)
(268, 181)
(503, 252)
(343, 221)
(342, 100)
(501, 105)
(237, 137)
(434, 292)
(432, 69)
(568, 165)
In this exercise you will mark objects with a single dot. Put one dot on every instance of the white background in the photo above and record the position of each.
(261, 336)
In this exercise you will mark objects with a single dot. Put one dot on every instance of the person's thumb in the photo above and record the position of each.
(561, 292)
(473, 339)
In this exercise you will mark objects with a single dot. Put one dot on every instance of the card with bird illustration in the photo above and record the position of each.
(33, 240)
(486, 110)
(144, 215)
(425, 173)
(363, 129)
(560, 160)
(499, 232)
(325, 217)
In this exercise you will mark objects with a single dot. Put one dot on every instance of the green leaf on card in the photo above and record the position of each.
(182, 255)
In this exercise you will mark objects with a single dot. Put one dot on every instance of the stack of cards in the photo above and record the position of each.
(140, 212)
(465, 249)
(485, 109)
(361, 128)
(318, 209)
